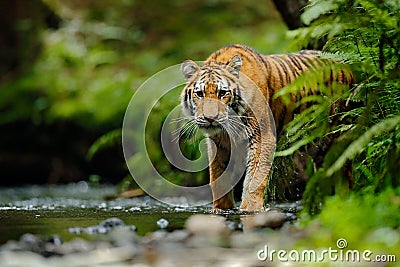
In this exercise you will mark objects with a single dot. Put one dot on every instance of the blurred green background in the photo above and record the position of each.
(69, 68)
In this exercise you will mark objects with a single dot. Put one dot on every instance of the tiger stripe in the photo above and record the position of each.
(224, 70)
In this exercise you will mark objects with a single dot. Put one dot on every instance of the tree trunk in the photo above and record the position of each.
(290, 11)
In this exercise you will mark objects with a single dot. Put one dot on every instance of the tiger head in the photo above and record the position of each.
(211, 95)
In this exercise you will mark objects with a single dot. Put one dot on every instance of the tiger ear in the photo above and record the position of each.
(234, 65)
(189, 68)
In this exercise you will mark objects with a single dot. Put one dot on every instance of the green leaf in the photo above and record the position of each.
(316, 9)
(109, 139)
(359, 145)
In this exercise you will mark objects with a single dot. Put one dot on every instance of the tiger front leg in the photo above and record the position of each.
(225, 202)
(258, 168)
(220, 200)
(222, 192)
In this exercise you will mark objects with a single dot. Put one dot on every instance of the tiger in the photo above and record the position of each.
(229, 94)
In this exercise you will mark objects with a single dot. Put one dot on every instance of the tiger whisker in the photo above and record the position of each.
(188, 129)
(241, 116)
(175, 120)
(236, 127)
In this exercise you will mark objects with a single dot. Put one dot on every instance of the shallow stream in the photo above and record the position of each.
(74, 225)
(54, 210)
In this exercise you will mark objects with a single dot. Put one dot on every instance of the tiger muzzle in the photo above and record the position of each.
(211, 110)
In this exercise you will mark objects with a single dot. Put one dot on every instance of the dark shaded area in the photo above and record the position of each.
(25, 147)
(20, 25)
(290, 11)
(53, 153)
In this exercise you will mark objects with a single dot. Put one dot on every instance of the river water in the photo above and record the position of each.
(54, 210)
(49, 210)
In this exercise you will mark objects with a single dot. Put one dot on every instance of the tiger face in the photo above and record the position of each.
(211, 95)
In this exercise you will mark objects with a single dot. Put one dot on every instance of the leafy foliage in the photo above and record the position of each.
(91, 64)
(364, 220)
(365, 34)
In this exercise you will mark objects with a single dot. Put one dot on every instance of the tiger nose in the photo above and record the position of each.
(210, 118)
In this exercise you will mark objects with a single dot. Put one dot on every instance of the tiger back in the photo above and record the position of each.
(273, 72)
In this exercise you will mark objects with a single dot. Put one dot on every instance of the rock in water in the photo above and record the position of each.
(111, 223)
(272, 218)
(103, 227)
(201, 224)
(162, 223)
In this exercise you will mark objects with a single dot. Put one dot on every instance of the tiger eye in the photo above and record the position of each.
(223, 93)
(199, 93)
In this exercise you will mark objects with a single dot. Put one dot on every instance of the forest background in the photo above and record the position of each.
(70, 68)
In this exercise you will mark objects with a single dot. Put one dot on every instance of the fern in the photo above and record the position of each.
(317, 8)
(364, 34)
(110, 139)
(360, 143)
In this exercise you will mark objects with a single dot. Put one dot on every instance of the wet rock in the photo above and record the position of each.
(159, 235)
(272, 218)
(41, 245)
(200, 224)
(102, 255)
(207, 231)
(233, 225)
(111, 223)
(74, 246)
(75, 230)
(290, 216)
(102, 230)
(21, 258)
(162, 223)
(54, 239)
(132, 228)
(29, 241)
(246, 240)
(103, 227)
(177, 236)
(91, 230)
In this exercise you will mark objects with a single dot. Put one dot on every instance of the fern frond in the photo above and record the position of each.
(359, 144)
(107, 140)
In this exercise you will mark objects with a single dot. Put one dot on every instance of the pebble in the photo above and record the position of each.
(162, 223)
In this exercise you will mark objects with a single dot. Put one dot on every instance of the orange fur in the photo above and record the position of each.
(227, 84)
